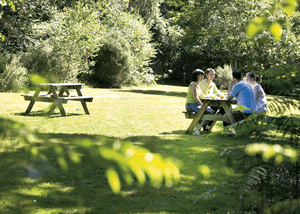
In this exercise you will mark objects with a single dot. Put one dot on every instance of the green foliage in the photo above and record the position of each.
(168, 63)
(2, 4)
(113, 62)
(44, 60)
(17, 22)
(71, 36)
(282, 80)
(285, 207)
(272, 20)
(15, 76)
(148, 9)
(204, 46)
(133, 29)
(78, 33)
(119, 159)
(224, 76)
(276, 151)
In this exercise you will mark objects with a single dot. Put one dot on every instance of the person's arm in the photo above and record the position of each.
(231, 84)
(216, 91)
(234, 92)
(195, 95)
(230, 97)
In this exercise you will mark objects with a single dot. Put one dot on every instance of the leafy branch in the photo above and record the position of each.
(120, 159)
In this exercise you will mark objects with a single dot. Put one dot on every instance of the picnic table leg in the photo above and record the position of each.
(61, 108)
(197, 118)
(213, 123)
(83, 103)
(53, 106)
(36, 94)
(229, 115)
(57, 102)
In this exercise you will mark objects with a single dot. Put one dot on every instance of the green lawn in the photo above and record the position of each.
(150, 117)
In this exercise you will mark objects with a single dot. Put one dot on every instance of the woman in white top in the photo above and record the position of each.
(261, 104)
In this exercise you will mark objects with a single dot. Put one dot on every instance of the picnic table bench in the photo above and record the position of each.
(224, 103)
(57, 93)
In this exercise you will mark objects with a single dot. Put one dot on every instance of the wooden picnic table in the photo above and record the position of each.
(226, 104)
(57, 93)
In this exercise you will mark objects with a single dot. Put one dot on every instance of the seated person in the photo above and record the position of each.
(207, 85)
(193, 102)
(209, 88)
(261, 104)
(244, 94)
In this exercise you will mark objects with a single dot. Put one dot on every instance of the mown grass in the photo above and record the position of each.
(150, 117)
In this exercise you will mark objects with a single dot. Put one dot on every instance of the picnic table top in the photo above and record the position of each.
(59, 84)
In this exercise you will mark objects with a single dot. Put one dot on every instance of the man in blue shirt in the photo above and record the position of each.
(244, 94)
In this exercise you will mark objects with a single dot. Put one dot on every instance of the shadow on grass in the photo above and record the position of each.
(41, 113)
(157, 92)
(86, 190)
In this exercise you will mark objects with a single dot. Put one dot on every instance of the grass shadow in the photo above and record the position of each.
(41, 113)
(157, 92)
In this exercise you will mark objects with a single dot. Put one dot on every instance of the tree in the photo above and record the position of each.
(17, 23)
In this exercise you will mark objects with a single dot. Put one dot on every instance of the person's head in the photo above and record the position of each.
(210, 74)
(250, 77)
(197, 75)
(237, 75)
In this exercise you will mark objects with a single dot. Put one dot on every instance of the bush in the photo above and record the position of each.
(45, 60)
(14, 78)
(141, 78)
(223, 76)
(112, 63)
(133, 29)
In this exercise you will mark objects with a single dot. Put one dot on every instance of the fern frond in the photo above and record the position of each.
(253, 178)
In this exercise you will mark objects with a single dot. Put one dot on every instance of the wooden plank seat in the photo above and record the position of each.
(41, 98)
(81, 98)
(189, 114)
(210, 117)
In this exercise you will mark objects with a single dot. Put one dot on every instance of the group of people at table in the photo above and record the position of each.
(247, 93)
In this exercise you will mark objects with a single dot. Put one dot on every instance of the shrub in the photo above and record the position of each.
(223, 76)
(69, 40)
(45, 60)
(14, 78)
(139, 38)
(112, 63)
(141, 78)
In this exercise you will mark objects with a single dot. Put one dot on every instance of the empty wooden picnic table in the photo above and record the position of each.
(57, 93)
(224, 103)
